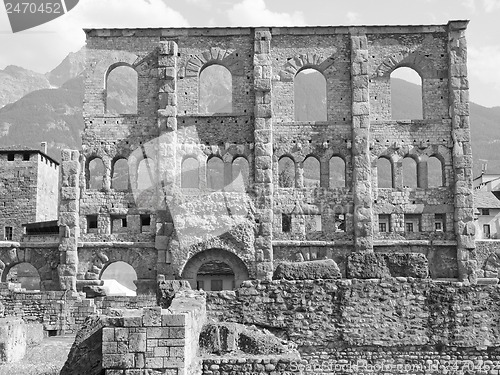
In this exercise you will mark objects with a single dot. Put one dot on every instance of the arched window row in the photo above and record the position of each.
(95, 173)
(410, 172)
(310, 172)
(219, 175)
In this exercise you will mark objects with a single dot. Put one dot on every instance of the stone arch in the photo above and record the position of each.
(126, 72)
(45, 261)
(303, 61)
(415, 60)
(142, 260)
(117, 165)
(122, 278)
(228, 58)
(89, 175)
(190, 269)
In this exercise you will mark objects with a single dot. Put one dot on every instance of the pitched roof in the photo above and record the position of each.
(485, 199)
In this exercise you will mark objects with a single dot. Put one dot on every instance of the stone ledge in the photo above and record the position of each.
(116, 244)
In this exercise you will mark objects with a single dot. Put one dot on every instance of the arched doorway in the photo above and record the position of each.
(215, 269)
(25, 274)
(119, 279)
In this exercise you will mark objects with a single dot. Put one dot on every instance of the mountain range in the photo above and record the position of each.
(37, 107)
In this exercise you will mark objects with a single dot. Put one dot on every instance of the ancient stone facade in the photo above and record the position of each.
(166, 228)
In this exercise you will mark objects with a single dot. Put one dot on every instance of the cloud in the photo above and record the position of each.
(255, 13)
(43, 47)
(353, 18)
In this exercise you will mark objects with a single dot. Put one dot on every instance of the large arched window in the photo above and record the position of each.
(241, 173)
(119, 279)
(190, 173)
(25, 274)
(311, 168)
(215, 173)
(410, 179)
(216, 90)
(337, 172)
(434, 172)
(384, 173)
(310, 96)
(286, 172)
(406, 94)
(119, 176)
(145, 174)
(121, 90)
(95, 174)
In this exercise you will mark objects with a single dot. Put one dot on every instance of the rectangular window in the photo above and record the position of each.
(485, 211)
(384, 223)
(10, 157)
(215, 285)
(317, 222)
(145, 220)
(8, 233)
(286, 223)
(26, 157)
(412, 223)
(486, 231)
(200, 285)
(124, 222)
(439, 222)
(92, 222)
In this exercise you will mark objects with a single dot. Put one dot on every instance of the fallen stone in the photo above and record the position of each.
(383, 265)
(167, 289)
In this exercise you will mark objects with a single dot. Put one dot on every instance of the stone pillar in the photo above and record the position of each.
(361, 174)
(166, 150)
(69, 222)
(263, 152)
(458, 85)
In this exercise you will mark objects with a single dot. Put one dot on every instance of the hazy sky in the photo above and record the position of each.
(43, 47)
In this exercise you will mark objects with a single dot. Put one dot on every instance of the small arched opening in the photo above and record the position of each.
(119, 279)
(240, 173)
(95, 173)
(286, 172)
(215, 90)
(119, 175)
(385, 177)
(337, 172)
(310, 95)
(190, 173)
(311, 168)
(146, 174)
(25, 274)
(410, 179)
(406, 94)
(121, 90)
(215, 173)
(225, 267)
(434, 172)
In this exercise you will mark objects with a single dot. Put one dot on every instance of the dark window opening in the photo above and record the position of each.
(26, 157)
(8, 233)
(10, 157)
(92, 222)
(339, 223)
(124, 222)
(200, 285)
(384, 221)
(286, 223)
(439, 223)
(145, 220)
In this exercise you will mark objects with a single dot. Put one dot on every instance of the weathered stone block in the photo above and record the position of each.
(381, 265)
(317, 269)
(12, 339)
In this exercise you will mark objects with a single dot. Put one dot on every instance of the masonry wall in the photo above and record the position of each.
(47, 197)
(372, 322)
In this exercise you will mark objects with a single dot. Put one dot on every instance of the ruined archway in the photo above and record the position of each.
(195, 263)
(120, 278)
(25, 274)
